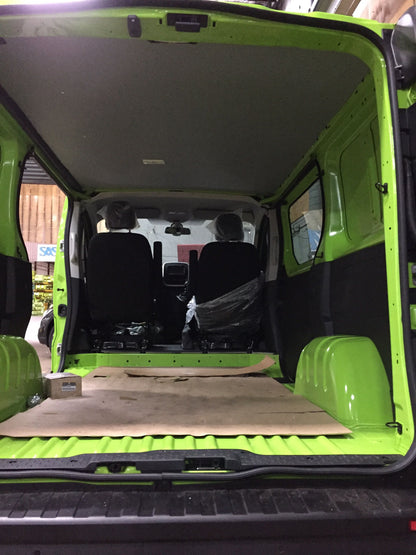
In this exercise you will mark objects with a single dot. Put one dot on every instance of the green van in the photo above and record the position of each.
(235, 279)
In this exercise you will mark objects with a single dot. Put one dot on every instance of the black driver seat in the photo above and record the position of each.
(119, 274)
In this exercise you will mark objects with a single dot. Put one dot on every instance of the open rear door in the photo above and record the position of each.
(15, 268)
(15, 295)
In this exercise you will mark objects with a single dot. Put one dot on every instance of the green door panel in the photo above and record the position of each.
(20, 375)
(60, 293)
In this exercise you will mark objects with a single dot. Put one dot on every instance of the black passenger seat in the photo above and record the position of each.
(228, 287)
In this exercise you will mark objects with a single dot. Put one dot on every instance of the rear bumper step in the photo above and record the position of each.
(77, 515)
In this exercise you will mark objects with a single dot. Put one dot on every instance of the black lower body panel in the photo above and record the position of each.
(347, 296)
(15, 295)
(45, 519)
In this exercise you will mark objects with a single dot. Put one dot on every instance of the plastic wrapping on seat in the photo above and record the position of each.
(235, 313)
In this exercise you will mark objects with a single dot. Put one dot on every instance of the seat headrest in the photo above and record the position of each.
(120, 215)
(229, 227)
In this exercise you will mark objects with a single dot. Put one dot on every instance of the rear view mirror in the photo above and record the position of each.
(403, 42)
(177, 229)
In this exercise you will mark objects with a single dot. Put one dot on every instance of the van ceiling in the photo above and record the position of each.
(221, 117)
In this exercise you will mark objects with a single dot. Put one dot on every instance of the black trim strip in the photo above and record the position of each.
(173, 465)
(269, 471)
(181, 460)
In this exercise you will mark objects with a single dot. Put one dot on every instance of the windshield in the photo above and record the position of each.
(175, 248)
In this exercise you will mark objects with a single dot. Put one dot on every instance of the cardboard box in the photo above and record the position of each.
(62, 385)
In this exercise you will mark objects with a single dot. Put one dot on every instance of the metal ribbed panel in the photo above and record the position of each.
(360, 443)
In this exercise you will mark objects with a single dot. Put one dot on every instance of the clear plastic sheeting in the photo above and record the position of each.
(235, 313)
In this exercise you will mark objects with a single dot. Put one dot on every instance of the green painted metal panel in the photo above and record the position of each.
(20, 375)
(112, 23)
(349, 153)
(413, 316)
(406, 97)
(411, 267)
(345, 376)
(360, 442)
(359, 174)
(60, 295)
(13, 147)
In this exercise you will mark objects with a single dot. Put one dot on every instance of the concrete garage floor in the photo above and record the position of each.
(43, 352)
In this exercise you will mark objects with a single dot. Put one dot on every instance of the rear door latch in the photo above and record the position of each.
(187, 23)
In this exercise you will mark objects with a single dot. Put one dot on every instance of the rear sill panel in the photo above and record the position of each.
(53, 515)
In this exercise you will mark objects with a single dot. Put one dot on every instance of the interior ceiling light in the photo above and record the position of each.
(153, 162)
(39, 2)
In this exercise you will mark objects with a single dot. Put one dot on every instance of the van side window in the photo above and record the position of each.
(306, 223)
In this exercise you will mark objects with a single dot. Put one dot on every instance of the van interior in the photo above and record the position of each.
(227, 272)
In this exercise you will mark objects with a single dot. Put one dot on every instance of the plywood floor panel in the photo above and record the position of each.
(116, 405)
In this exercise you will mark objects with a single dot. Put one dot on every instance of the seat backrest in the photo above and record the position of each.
(120, 215)
(224, 266)
(120, 271)
(120, 278)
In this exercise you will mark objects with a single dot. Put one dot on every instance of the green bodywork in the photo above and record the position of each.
(331, 370)
(60, 294)
(407, 97)
(337, 373)
(13, 147)
(20, 375)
